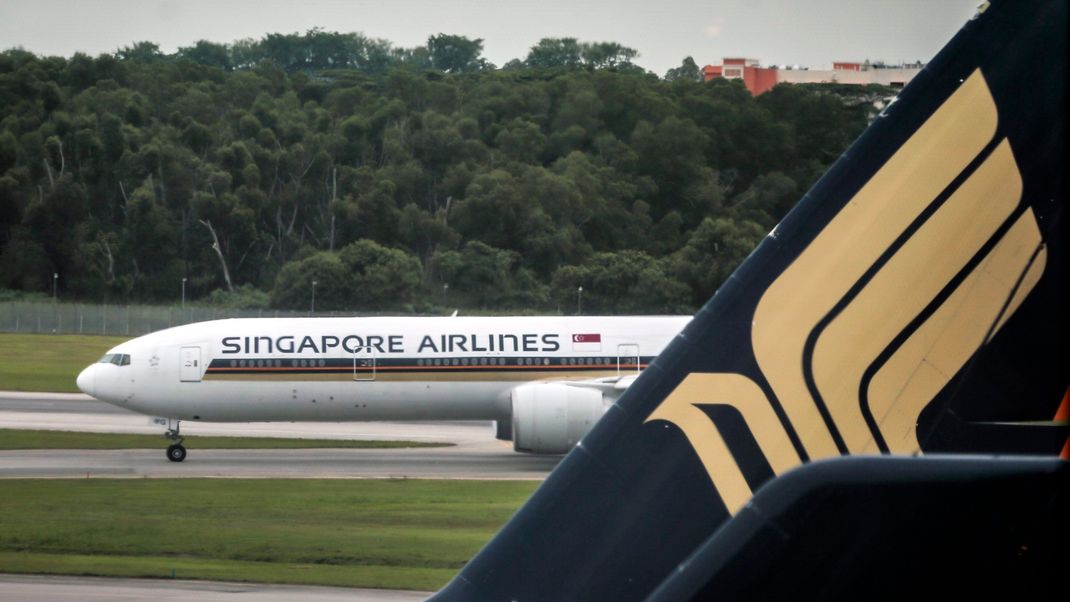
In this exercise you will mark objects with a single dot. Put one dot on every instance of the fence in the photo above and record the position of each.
(120, 320)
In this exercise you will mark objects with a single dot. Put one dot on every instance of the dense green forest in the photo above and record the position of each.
(396, 179)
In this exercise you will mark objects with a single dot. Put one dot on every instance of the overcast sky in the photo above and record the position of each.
(805, 32)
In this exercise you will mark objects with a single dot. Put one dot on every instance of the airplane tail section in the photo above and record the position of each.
(913, 302)
(876, 527)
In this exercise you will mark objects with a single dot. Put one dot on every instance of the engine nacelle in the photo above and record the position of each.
(550, 418)
(503, 430)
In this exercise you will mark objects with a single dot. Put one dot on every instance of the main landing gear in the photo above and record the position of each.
(175, 451)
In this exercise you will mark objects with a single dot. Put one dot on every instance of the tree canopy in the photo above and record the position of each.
(401, 179)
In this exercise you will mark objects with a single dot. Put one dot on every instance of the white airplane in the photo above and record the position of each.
(545, 381)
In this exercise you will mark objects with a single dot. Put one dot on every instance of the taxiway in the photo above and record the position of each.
(69, 589)
(475, 455)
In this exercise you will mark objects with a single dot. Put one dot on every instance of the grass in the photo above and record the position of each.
(48, 362)
(400, 534)
(30, 439)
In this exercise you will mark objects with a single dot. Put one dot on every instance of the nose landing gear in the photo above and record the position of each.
(175, 452)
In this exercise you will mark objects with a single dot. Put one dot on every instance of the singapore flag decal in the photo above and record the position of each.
(586, 342)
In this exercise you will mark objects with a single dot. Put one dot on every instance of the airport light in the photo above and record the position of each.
(55, 280)
(579, 300)
(313, 310)
(183, 293)
(445, 289)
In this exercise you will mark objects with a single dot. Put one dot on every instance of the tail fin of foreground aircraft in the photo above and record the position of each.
(913, 302)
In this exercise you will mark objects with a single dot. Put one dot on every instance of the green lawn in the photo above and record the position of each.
(402, 534)
(48, 362)
(28, 439)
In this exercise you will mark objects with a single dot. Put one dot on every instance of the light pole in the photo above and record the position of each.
(55, 280)
(183, 293)
(445, 289)
(579, 300)
(313, 297)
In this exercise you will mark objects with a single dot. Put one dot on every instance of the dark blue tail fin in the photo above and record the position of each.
(914, 301)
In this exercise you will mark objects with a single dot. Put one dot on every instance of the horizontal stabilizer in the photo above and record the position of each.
(888, 528)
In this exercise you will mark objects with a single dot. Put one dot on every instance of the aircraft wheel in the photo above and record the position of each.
(176, 453)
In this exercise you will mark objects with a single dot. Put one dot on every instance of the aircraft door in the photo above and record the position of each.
(627, 358)
(189, 370)
(364, 363)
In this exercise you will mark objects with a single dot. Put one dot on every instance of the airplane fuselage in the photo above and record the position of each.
(382, 368)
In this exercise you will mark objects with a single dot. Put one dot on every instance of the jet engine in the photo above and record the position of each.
(550, 418)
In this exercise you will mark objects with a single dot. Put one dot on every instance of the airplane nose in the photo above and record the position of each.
(86, 381)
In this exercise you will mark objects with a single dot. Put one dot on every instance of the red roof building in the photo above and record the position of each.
(759, 80)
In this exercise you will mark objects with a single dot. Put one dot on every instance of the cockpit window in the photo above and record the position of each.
(119, 359)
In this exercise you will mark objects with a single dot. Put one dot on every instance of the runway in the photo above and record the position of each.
(431, 463)
(476, 455)
(69, 589)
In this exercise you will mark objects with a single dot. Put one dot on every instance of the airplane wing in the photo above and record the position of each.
(912, 303)
(611, 386)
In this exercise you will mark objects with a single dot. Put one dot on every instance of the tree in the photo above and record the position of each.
(207, 53)
(111, 136)
(423, 232)
(494, 211)
(230, 228)
(9, 151)
(712, 253)
(145, 256)
(25, 264)
(687, 71)
(580, 106)
(144, 52)
(555, 52)
(293, 285)
(622, 282)
(456, 54)
(606, 55)
(232, 164)
(380, 277)
(767, 199)
(54, 221)
(672, 153)
(373, 215)
(818, 122)
(11, 206)
(521, 141)
(479, 274)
